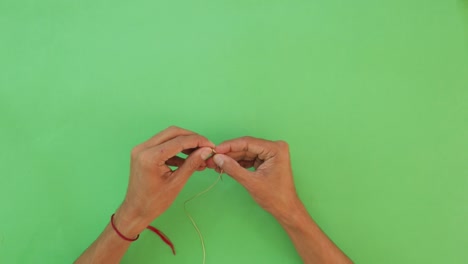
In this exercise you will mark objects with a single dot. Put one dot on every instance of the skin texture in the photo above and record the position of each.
(153, 187)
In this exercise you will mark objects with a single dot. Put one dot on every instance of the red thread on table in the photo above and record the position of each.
(152, 228)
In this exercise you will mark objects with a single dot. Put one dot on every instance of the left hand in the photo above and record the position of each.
(153, 186)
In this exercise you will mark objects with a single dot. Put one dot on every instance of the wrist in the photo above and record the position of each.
(129, 222)
(294, 216)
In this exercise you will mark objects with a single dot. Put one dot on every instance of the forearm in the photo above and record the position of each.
(310, 242)
(109, 247)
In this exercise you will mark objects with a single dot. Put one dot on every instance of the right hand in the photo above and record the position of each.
(271, 184)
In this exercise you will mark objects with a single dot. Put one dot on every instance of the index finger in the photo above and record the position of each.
(176, 145)
(166, 135)
(264, 149)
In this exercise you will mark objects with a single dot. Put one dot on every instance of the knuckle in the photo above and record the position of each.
(246, 141)
(173, 128)
(193, 141)
(202, 140)
(142, 155)
(282, 144)
(146, 157)
(135, 151)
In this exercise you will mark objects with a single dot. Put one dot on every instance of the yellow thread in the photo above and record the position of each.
(193, 221)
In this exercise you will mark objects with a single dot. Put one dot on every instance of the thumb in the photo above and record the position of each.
(193, 162)
(231, 167)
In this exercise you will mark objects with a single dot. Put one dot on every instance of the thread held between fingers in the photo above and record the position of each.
(206, 153)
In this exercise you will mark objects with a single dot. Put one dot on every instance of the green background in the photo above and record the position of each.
(371, 95)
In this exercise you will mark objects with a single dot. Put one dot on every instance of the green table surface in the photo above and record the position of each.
(372, 97)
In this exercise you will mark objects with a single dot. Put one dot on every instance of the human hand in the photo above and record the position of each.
(153, 186)
(271, 184)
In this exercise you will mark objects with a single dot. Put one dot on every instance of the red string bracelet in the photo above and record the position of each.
(120, 234)
(152, 228)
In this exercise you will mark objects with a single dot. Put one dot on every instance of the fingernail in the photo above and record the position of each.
(206, 153)
(218, 160)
